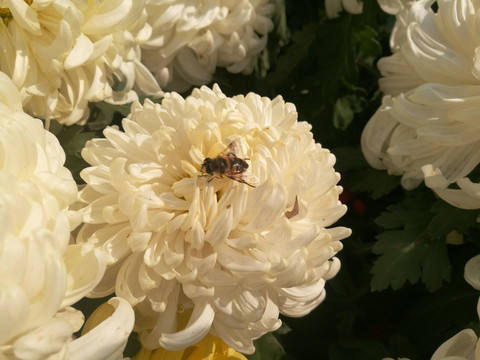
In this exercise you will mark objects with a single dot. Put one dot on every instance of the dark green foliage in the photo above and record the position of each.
(407, 251)
(268, 348)
(73, 139)
(413, 245)
(400, 291)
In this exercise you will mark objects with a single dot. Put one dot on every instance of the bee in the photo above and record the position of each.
(228, 164)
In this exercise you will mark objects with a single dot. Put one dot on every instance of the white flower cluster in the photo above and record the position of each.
(188, 39)
(40, 274)
(63, 54)
(334, 7)
(178, 240)
(426, 129)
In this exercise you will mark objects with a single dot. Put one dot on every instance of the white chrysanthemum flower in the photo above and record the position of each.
(426, 129)
(238, 255)
(63, 54)
(429, 133)
(116, 23)
(437, 47)
(334, 7)
(41, 274)
(399, 8)
(186, 40)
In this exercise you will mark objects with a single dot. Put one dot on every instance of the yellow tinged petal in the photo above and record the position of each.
(25, 16)
(209, 348)
(85, 268)
(9, 95)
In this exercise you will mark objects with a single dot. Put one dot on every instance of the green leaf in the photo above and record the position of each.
(297, 51)
(73, 139)
(360, 177)
(267, 348)
(349, 158)
(408, 252)
(103, 114)
(448, 218)
(365, 38)
(342, 113)
(376, 183)
(336, 63)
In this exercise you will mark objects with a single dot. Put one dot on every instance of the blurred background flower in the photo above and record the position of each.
(61, 55)
(188, 40)
(426, 128)
(334, 7)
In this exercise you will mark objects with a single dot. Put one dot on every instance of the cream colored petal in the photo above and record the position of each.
(460, 346)
(376, 133)
(106, 286)
(306, 297)
(74, 317)
(108, 16)
(197, 328)
(85, 269)
(392, 7)
(467, 197)
(145, 81)
(108, 339)
(397, 75)
(14, 316)
(46, 340)
(9, 95)
(80, 53)
(434, 60)
(190, 68)
(22, 63)
(472, 272)
(61, 44)
(353, 6)
(24, 15)
(333, 8)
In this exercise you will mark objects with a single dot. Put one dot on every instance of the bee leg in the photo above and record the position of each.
(240, 180)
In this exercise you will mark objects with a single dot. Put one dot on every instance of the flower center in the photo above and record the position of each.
(6, 14)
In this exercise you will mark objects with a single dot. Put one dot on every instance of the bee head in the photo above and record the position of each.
(207, 166)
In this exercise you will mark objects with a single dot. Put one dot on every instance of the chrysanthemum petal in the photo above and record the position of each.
(108, 339)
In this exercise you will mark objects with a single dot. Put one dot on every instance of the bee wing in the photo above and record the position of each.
(245, 177)
(234, 147)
